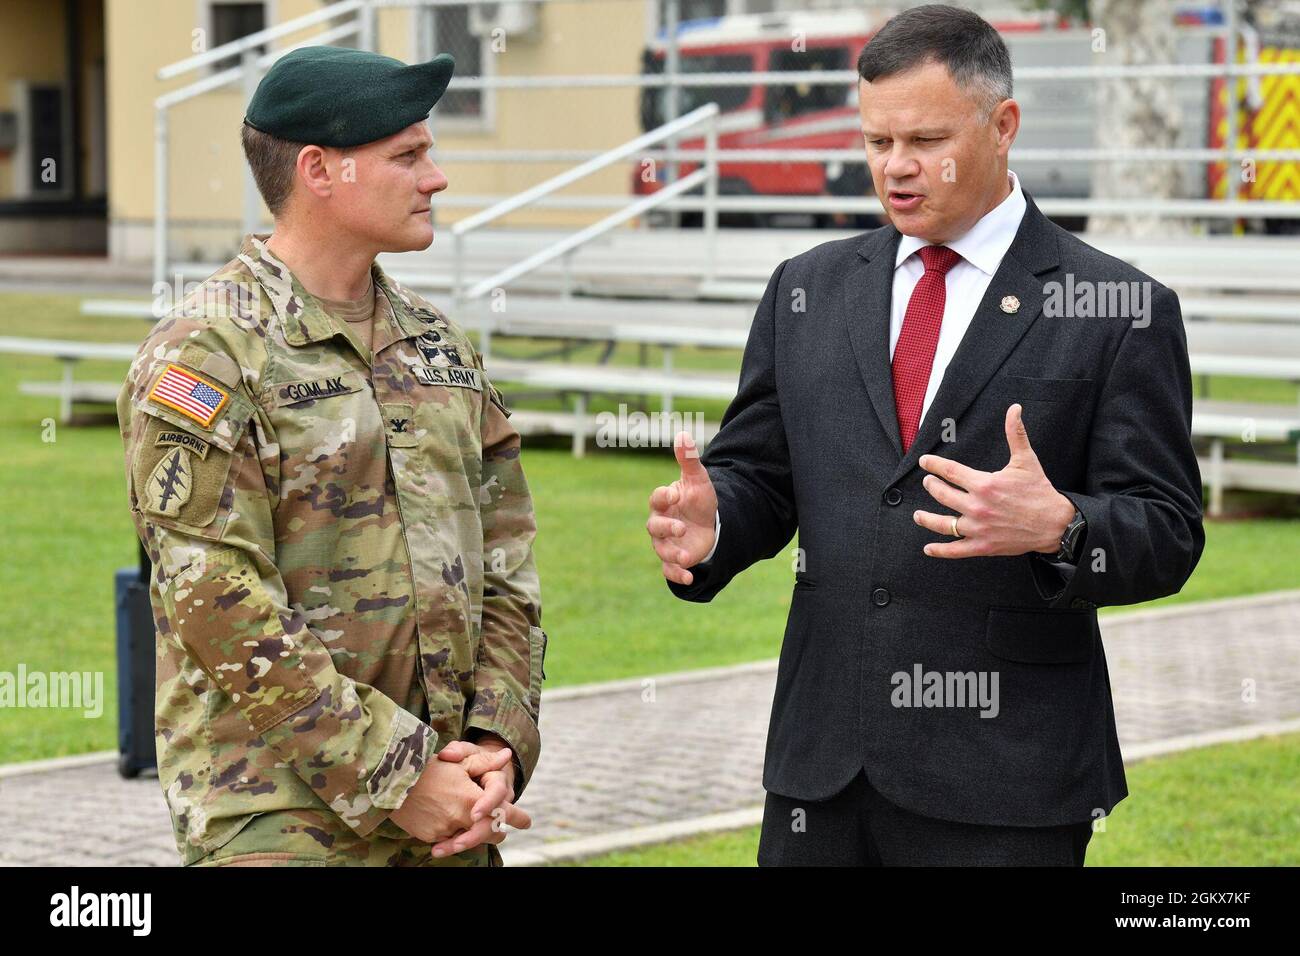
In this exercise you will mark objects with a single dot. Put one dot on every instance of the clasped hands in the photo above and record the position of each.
(463, 798)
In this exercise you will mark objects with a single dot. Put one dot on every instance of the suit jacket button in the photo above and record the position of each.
(879, 597)
(893, 496)
(1078, 602)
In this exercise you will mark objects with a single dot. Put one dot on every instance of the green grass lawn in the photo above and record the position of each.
(65, 528)
(1244, 813)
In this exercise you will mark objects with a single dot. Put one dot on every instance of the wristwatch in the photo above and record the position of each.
(1070, 539)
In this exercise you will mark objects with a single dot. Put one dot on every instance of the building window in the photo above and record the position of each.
(451, 29)
(45, 108)
(233, 21)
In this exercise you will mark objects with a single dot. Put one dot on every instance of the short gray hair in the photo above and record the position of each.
(961, 40)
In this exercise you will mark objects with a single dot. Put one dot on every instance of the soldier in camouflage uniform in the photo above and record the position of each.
(343, 576)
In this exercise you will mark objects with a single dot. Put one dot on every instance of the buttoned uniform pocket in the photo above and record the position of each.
(248, 843)
(1041, 635)
(327, 426)
(536, 667)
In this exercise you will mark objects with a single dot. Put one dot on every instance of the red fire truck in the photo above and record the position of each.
(1058, 114)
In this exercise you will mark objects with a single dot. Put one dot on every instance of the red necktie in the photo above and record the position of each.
(914, 352)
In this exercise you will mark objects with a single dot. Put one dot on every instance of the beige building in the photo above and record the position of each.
(79, 83)
(53, 137)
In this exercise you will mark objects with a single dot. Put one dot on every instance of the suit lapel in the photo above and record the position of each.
(992, 334)
(867, 293)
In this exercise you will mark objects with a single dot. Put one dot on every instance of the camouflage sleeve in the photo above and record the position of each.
(201, 500)
(509, 670)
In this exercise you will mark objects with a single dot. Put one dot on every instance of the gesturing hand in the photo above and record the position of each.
(682, 514)
(1006, 512)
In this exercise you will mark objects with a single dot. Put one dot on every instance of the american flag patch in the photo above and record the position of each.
(190, 395)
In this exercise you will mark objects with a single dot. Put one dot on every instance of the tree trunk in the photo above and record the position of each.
(1137, 112)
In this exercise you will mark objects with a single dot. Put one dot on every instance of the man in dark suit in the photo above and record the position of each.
(942, 694)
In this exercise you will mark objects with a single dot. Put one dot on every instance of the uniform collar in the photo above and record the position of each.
(302, 317)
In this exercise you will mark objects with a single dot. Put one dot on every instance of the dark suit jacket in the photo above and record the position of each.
(811, 442)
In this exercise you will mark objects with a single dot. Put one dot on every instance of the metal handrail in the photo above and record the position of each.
(237, 47)
(1176, 208)
(847, 78)
(237, 73)
(707, 176)
(706, 114)
(599, 161)
(1191, 154)
(349, 17)
(566, 246)
(569, 243)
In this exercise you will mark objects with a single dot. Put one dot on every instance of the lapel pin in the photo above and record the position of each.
(1010, 304)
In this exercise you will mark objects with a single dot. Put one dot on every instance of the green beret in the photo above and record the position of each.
(334, 96)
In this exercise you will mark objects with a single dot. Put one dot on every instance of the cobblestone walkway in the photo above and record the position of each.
(633, 754)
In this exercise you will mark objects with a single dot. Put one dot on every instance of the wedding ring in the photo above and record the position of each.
(955, 532)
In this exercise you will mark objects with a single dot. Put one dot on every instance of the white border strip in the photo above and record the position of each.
(56, 763)
(1198, 607)
(1208, 738)
(657, 833)
(660, 680)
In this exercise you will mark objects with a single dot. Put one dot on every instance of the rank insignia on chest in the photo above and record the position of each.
(187, 393)
(170, 483)
(399, 423)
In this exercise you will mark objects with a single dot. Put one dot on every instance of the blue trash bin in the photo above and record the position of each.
(135, 671)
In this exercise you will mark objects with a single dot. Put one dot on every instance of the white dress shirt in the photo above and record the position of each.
(981, 249)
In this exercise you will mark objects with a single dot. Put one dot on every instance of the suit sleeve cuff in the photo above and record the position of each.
(1058, 582)
(717, 534)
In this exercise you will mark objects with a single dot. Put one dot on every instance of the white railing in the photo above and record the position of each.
(847, 78)
(706, 176)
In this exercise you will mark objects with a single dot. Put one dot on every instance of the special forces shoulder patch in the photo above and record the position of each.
(169, 485)
(175, 473)
(186, 392)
